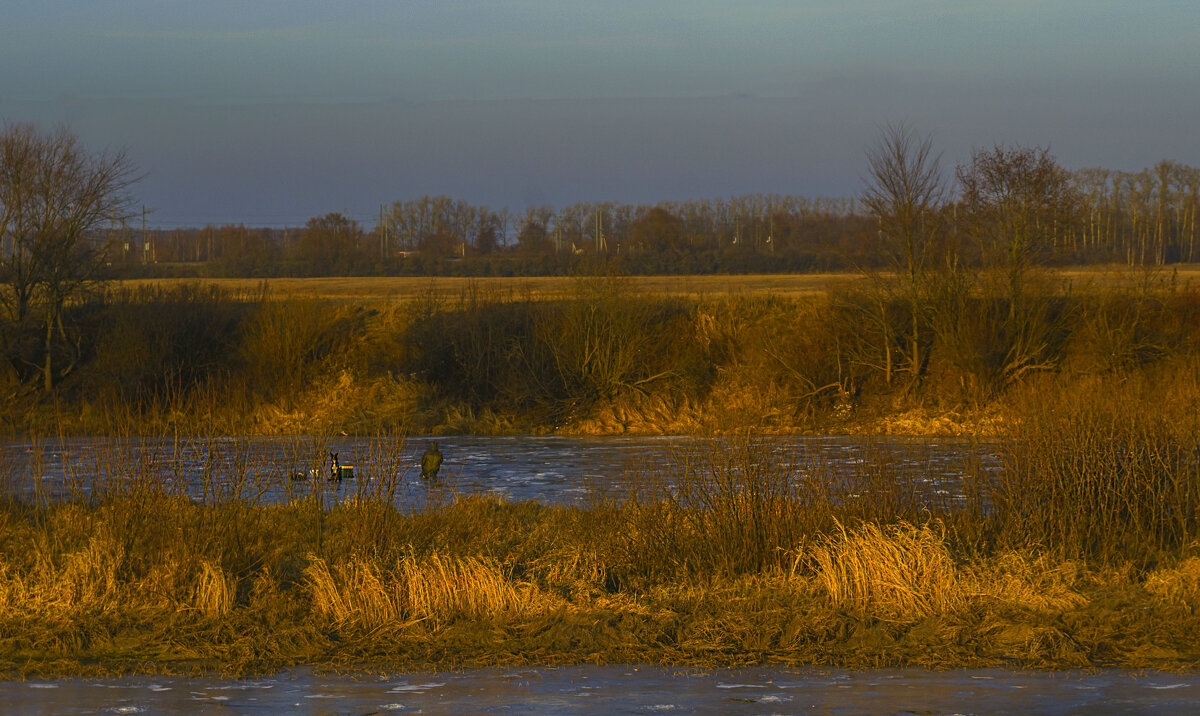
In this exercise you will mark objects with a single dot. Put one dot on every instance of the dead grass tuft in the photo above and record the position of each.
(1179, 584)
(1038, 583)
(216, 592)
(900, 572)
(436, 588)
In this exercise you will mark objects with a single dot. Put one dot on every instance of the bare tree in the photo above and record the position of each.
(54, 196)
(905, 190)
(1019, 205)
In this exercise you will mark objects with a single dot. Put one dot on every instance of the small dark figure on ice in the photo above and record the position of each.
(335, 467)
(431, 462)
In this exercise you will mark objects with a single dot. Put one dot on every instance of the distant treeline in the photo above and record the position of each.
(1101, 216)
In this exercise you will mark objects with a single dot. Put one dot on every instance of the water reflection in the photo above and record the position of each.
(623, 690)
(553, 469)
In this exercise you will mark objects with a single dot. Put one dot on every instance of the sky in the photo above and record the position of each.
(269, 112)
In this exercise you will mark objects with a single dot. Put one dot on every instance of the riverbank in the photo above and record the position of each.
(484, 583)
(1081, 550)
(601, 356)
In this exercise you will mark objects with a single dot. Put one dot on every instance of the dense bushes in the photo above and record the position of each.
(600, 358)
(553, 358)
(148, 346)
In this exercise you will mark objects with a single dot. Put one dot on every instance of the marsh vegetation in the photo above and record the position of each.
(606, 358)
(1080, 551)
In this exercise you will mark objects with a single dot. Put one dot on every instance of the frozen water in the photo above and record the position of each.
(624, 690)
(552, 469)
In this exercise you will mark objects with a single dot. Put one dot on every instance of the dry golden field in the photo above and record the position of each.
(405, 288)
(410, 287)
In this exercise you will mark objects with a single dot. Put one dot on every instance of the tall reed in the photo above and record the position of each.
(1103, 475)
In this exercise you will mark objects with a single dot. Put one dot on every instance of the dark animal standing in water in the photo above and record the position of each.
(335, 474)
(431, 462)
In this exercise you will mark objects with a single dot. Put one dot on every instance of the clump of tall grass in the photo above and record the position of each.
(435, 587)
(1033, 582)
(216, 591)
(902, 571)
(1178, 584)
(719, 508)
(88, 580)
(907, 572)
(740, 505)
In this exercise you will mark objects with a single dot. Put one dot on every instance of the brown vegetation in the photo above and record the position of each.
(1081, 551)
(722, 557)
(602, 357)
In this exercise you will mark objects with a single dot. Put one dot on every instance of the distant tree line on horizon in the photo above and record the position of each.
(1102, 216)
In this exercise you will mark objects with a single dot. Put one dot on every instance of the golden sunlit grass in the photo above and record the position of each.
(899, 572)
(216, 592)
(1179, 584)
(436, 587)
(69, 583)
(905, 572)
(871, 594)
(408, 288)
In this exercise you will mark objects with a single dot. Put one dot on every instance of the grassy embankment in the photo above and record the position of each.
(1084, 551)
(771, 354)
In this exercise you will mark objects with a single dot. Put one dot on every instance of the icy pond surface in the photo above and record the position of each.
(621, 690)
(549, 468)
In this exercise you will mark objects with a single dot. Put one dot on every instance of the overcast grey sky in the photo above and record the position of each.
(269, 112)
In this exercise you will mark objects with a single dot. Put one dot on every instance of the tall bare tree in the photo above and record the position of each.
(905, 191)
(54, 197)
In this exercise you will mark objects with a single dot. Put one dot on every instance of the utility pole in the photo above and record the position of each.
(601, 245)
(382, 235)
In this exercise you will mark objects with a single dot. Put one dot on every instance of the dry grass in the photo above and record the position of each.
(906, 573)
(216, 591)
(1036, 583)
(85, 581)
(436, 588)
(408, 288)
(898, 572)
(677, 354)
(731, 557)
(1178, 584)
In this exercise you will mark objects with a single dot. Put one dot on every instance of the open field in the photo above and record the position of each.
(410, 287)
(405, 288)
